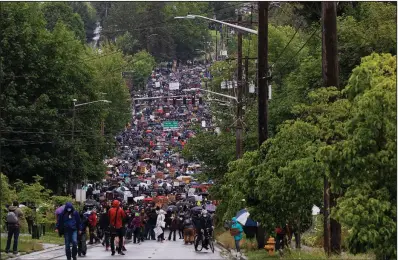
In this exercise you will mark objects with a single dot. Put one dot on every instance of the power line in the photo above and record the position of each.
(313, 33)
(291, 39)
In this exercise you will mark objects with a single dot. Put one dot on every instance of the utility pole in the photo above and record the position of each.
(262, 72)
(330, 71)
(239, 110)
(72, 149)
(246, 77)
(216, 42)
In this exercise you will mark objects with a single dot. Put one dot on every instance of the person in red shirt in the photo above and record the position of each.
(92, 220)
(116, 219)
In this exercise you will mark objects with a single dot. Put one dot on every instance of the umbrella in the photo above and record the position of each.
(197, 208)
(172, 208)
(210, 207)
(251, 223)
(139, 198)
(148, 199)
(147, 159)
(242, 216)
(59, 210)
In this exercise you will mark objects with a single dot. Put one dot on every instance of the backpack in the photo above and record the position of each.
(12, 218)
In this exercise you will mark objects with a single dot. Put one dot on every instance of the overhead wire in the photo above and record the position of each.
(309, 38)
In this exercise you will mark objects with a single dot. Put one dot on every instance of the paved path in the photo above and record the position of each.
(146, 250)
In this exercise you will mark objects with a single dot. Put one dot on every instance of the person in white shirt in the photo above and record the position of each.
(160, 222)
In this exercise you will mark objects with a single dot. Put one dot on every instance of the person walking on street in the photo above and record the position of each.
(14, 216)
(104, 225)
(68, 224)
(238, 237)
(136, 226)
(116, 218)
(160, 223)
(175, 222)
(152, 224)
(82, 236)
(92, 220)
(143, 218)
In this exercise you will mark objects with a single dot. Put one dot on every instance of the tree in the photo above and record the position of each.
(89, 16)
(55, 12)
(42, 72)
(371, 28)
(142, 64)
(365, 162)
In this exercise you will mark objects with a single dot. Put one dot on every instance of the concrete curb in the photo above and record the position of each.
(26, 256)
(242, 257)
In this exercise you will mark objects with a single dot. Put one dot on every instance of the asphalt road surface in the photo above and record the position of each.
(145, 250)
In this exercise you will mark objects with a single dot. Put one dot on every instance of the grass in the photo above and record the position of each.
(24, 245)
(249, 247)
(52, 238)
(225, 238)
(304, 255)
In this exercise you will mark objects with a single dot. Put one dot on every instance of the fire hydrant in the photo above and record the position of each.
(270, 246)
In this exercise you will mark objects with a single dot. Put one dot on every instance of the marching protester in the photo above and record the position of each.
(161, 224)
(104, 225)
(82, 235)
(116, 218)
(92, 219)
(68, 224)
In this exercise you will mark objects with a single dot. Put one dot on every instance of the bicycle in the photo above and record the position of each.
(206, 236)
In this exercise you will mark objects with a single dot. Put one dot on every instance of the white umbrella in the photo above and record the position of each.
(139, 198)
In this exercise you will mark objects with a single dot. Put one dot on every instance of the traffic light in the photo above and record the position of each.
(200, 100)
(184, 100)
(174, 102)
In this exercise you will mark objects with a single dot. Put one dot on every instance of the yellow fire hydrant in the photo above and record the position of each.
(270, 246)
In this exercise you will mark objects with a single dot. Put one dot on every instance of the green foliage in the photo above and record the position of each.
(365, 162)
(163, 37)
(89, 16)
(142, 65)
(42, 72)
(370, 27)
(34, 193)
(55, 12)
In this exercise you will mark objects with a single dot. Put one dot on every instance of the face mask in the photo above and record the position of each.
(69, 210)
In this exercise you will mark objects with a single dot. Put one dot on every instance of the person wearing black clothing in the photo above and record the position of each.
(174, 225)
(205, 223)
(81, 237)
(104, 225)
(152, 224)
(181, 226)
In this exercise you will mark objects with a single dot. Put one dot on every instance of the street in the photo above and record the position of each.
(146, 250)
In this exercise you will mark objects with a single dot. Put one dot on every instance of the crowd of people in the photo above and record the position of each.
(149, 188)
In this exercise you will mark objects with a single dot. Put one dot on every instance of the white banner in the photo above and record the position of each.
(230, 84)
(251, 88)
(203, 123)
(269, 91)
(80, 195)
(176, 183)
(157, 84)
(174, 86)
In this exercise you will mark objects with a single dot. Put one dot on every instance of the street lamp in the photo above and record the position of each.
(212, 92)
(73, 129)
(192, 16)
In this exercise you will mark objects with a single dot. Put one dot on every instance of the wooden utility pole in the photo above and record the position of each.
(239, 110)
(246, 76)
(262, 72)
(330, 71)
